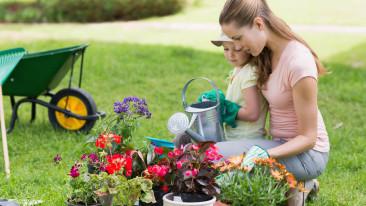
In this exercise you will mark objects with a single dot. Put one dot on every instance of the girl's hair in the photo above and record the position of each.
(243, 13)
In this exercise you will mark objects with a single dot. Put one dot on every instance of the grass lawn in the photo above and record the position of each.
(156, 64)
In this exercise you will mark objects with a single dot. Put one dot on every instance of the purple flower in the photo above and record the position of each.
(83, 157)
(93, 157)
(57, 159)
(74, 172)
(132, 106)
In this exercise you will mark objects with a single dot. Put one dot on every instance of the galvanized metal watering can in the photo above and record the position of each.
(205, 123)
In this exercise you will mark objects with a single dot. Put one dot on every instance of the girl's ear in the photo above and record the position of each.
(258, 22)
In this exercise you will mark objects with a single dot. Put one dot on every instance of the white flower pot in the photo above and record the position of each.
(168, 200)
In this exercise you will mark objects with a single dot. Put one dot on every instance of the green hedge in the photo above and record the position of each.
(87, 10)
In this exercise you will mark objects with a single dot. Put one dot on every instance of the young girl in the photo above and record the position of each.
(250, 119)
(243, 90)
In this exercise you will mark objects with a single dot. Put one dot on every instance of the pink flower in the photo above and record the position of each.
(158, 150)
(156, 169)
(170, 154)
(177, 152)
(179, 165)
(213, 153)
(195, 147)
(195, 172)
(187, 173)
(162, 173)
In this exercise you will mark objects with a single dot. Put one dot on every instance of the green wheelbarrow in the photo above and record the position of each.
(37, 74)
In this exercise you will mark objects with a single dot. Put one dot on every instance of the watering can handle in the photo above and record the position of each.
(185, 87)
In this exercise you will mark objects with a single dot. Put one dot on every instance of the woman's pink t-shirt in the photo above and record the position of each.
(296, 62)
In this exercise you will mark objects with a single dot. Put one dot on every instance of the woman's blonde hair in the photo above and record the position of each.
(243, 13)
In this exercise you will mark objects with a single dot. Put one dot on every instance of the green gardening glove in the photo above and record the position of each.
(254, 152)
(231, 110)
(228, 109)
(211, 96)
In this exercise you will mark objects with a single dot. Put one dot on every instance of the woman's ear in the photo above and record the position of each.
(258, 22)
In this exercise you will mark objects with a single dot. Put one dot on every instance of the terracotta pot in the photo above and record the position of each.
(169, 201)
(219, 203)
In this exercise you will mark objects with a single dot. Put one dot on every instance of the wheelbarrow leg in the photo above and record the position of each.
(33, 111)
(13, 116)
(12, 101)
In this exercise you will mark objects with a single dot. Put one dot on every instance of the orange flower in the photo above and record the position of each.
(245, 168)
(270, 161)
(291, 180)
(283, 171)
(301, 187)
(224, 168)
(219, 164)
(256, 160)
(236, 160)
(280, 165)
(276, 174)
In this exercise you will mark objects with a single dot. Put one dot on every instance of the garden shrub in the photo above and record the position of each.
(20, 12)
(87, 10)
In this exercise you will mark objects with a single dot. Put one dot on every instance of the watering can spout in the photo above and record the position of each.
(196, 137)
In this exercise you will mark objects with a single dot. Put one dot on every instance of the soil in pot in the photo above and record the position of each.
(187, 197)
(92, 169)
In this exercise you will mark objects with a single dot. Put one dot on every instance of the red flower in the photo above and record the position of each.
(170, 154)
(165, 188)
(101, 142)
(128, 163)
(177, 152)
(117, 139)
(128, 172)
(158, 150)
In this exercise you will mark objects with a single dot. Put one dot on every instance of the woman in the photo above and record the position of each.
(288, 73)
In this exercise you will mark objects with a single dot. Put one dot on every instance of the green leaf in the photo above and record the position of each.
(148, 197)
(146, 184)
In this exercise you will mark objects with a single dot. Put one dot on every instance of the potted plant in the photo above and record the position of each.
(154, 159)
(117, 158)
(266, 184)
(83, 186)
(118, 180)
(191, 176)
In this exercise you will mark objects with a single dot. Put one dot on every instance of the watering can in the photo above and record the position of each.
(205, 123)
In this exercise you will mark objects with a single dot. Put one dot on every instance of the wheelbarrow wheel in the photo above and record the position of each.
(79, 102)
